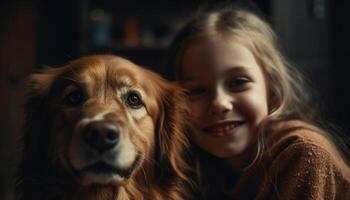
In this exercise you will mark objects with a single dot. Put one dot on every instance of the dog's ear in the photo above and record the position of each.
(172, 141)
(33, 143)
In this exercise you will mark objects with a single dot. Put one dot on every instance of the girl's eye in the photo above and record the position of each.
(133, 100)
(238, 83)
(196, 91)
(74, 98)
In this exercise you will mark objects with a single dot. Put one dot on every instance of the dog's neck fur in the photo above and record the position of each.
(135, 188)
(138, 187)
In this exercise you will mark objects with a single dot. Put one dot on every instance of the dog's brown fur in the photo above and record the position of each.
(51, 142)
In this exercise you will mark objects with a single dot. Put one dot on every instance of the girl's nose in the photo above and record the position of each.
(221, 104)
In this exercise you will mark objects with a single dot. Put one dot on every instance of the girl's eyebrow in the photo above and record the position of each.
(237, 69)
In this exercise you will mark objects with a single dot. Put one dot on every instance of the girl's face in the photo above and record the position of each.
(227, 95)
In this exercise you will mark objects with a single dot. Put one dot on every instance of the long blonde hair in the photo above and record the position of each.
(289, 96)
(285, 83)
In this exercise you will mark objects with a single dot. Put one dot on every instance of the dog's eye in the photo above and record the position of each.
(74, 98)
(133, 100)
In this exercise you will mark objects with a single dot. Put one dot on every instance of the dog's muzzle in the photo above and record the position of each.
(102, 152)
(101, 136)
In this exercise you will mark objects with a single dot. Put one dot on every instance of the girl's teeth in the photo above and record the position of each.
(224, 128)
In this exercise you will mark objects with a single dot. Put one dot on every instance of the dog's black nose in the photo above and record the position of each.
(101, 135)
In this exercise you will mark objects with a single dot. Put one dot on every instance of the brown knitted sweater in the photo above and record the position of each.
(298, 163)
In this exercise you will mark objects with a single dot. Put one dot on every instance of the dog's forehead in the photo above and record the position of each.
(114, 69)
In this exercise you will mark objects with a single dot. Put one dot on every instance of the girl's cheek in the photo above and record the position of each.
(256, 106)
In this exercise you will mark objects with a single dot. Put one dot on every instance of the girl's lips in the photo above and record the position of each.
(222, 128)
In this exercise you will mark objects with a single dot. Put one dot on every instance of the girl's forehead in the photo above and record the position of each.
(215, 56)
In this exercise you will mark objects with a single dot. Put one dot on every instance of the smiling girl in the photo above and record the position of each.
(253, 134)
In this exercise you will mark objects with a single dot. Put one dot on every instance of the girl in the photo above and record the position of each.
(254, 135)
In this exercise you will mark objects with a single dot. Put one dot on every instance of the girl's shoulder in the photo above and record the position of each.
(296, 142)
(290, 132)
(300, 162)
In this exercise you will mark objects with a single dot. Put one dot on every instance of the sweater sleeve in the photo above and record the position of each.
(304, 171)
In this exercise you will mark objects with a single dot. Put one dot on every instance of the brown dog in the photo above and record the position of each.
(103, 128)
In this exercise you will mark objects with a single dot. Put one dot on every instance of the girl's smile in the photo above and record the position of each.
(227, 95)
(223, 129)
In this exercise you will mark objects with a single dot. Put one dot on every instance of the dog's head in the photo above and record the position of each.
(100, 119)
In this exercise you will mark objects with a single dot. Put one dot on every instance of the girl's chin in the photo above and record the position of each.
(225, 149)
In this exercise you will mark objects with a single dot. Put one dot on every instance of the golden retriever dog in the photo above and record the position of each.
(103, 128)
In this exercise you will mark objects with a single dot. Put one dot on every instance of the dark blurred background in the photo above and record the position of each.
(315, 36)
